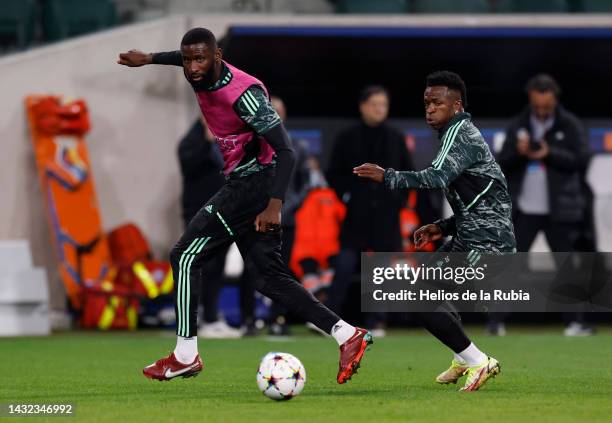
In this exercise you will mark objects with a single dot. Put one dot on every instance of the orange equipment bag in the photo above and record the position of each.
(132, 256)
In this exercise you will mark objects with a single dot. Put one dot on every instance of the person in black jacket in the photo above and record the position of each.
(544, 158)
(372, 217)
(201, 163)
(201, 166)
(296, 192)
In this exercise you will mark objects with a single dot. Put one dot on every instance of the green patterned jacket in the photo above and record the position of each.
(474, 186)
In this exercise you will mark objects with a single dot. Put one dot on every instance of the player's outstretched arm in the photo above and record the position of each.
(449, 164)
(137, 58)
(370, 171)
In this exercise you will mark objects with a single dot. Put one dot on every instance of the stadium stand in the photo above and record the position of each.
(450, 6)
(66, 18)
(17, 18)
(594, 6)
(530, 6)
(365, 6)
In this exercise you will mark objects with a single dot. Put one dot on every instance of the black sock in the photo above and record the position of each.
(447, 328)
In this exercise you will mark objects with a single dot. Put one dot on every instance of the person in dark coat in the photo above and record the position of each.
(201, 166)
(367, 226)
(201, 163)
(296, 192)
(544, 158)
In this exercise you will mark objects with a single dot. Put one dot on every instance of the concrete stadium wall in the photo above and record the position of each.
(137, 117)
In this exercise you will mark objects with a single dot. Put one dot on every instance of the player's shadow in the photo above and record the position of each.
(339, 392)
(60, 396)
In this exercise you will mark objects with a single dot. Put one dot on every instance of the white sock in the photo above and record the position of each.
(342, 331)
(472, 355)
(459, 359)
(186, 349)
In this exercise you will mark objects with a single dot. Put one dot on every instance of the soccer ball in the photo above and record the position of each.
(281, 376)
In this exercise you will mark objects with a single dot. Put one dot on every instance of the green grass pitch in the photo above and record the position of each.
(545, 377)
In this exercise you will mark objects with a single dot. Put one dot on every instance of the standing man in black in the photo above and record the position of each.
(544, 158)
(201, 165)
(372, 215)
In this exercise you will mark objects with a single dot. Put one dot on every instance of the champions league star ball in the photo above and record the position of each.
(281, 376)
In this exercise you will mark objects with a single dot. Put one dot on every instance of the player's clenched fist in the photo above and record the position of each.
(371, 171)
(135, 58)
(426, 234)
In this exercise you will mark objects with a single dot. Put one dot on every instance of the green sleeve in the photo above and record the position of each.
(454, 157)
(255, 109)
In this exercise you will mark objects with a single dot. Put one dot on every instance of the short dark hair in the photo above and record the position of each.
(448, 79)
(199, 35)
(543, 83)
(371, 90)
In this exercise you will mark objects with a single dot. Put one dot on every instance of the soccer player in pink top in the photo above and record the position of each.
(258, 162)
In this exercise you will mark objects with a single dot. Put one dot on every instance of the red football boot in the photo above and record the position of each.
(351, 353)
(169, 367)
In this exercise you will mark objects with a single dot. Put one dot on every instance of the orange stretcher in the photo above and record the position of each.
(104, 294)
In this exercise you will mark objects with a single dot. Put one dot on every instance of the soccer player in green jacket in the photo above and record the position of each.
(476, 189)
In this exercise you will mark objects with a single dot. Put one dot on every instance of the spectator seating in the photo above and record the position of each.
(67, 18)
(17, 18)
